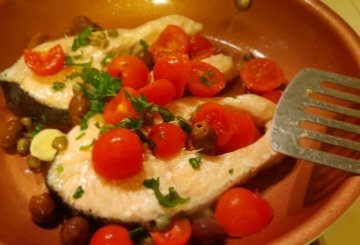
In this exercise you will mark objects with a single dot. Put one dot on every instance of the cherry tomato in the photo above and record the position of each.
(273, 95)
(260, 75)
(200, 47)
(159, 92)
(242, 212)
(45, 64)
(132, 71)
(172, 68)
(111, 235)
(117, 154)
(178, 234)
(245, 133)
(203, 79)
(172, 41)
(219, 118)
(168, 138)
(120, 107)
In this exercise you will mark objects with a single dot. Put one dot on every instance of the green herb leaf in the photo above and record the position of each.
(87, 147)
(38, 127)
(143, 44)
(70, 61)
(59, 169)
(58, 86)
(169, 200)
(107, 59)
(137, 233)
(82, 39)
(185, 126)
(78, 192)
(165, 114)
(195, 162)
(80, 136)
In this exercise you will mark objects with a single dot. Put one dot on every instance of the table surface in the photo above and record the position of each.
(346, 229)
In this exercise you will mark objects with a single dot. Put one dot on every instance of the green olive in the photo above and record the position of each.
(203, 137)
(78, 107)
(11, 133)
(34, 163)
(27, 122)
(60, 143)
(23, 145)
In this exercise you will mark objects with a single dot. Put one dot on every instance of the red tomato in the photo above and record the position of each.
(242, 212)
(178, 234)
(260, 75)
(159, 92)
(168, 138)
(200, 47)
(45, 64)
(111, 235)
(273, 95)
(117, 154)
(120, 107)
(245, 133)
(172, 68)
(203, 79)
(132, 71)
(219, 118)
(172, 41)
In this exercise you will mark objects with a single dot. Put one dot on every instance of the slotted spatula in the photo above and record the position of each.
(318, 119)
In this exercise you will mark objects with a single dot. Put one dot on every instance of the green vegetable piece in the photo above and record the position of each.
(58, 86)
(137, 233)
(143, 44)
(78, 192)
(195, 162)
(186, 127)
(82, 39)
(38, 127)
(59, 169)
(87, 147)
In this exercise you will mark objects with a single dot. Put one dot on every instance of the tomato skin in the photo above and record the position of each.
(45, 64)
(203, 79)
(172, 68)
(242, 212)
(178, 234)
(117, 154)
(120, 107)
(219, 118)
(245, 133)
(200, 47)
(111, 235)
(159, 92)
(172, 41)
(132, 71)
(260, 75)
(168, 138)
(273, 95)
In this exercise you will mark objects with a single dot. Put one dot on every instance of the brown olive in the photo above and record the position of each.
(75, 231)
(78, 107)
(79, 23)
(11, 133)
(203, 137)
(206, 231)
(146, 57)
(37, 39)
(43, 209)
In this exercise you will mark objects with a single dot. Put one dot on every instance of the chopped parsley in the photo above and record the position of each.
(87, 147)
(107, 59)
(78, 192)
(71, 61)
(82, 134)
(195, 162)
(82, 39)
(231, 171)
(185, 126)
(169, 200)
(59, 169)
(38, 127)
(137, 233)
(143, 44)
(58, 86)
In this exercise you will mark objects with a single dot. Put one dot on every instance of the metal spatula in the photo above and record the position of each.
(318, 119)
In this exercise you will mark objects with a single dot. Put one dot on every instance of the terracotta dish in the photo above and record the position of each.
(306, 198)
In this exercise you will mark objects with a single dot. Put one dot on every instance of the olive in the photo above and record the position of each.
(206, 231)
(78, 107)
(60, 143)
(23, 145)
(146, 57)
(37, 39)
(34, 163)
(203, 137)
(43, 209)
(27, 122)
(11, 133)
(75, 231)
(79, 23)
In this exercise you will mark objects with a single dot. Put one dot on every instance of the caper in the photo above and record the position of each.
(159, 224)
(60, 143)
(11, 133)
(242, 5)
(75, 231)
(37, 39)
(27, 122)
(78, 107)
(203, 137)
(34, 163)
(43, 209)
(113, 33)
(146, 57)
(23, 145)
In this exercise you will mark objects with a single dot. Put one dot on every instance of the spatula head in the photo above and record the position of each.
(318, 119)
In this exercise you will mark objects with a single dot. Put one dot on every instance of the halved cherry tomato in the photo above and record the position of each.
(219, 118)
(117, 154)
(242, 212)
(172, 41)
(132, 71)
(245, 133)
(45, 64)
(159, 92)
(120, 107)
(169, 139)
(200, 47)
(172, 68)
(178, 234)
(111, 235)
(260, 75)
(203, 79)
(273, 95)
